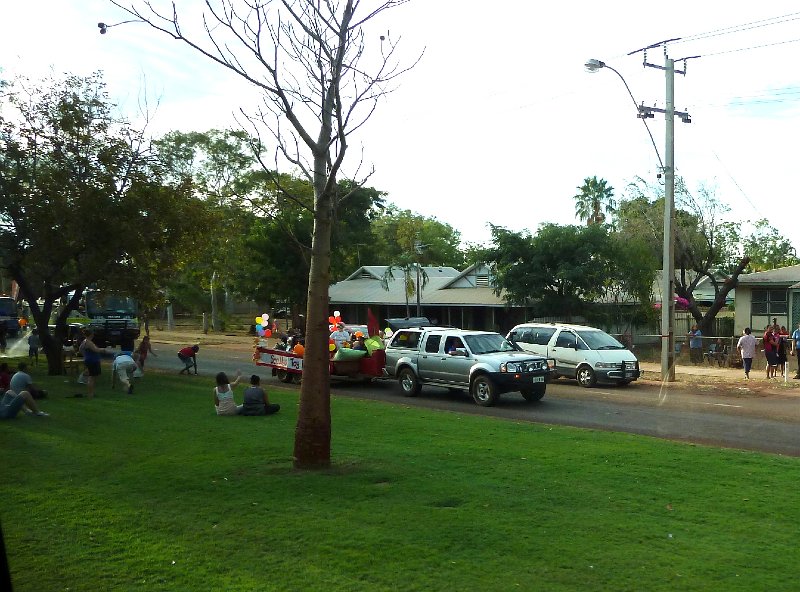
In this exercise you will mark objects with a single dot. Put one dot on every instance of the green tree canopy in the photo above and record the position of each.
(557, 270)
(767, 249)
(706, 246)
(397, 233)
(82, 201)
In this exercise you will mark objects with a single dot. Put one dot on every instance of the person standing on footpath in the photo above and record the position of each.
(695, 345)
(770, 351)
(747, 350)
(795, 349)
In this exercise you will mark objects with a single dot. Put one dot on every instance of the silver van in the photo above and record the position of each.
(587, 354)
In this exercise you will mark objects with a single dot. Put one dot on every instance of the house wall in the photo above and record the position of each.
(742, 313)
(744, 318)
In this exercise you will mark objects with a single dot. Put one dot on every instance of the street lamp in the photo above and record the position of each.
(643, 113)
(668, 262)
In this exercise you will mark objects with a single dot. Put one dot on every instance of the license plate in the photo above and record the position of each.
(628, 374)
(538, 379)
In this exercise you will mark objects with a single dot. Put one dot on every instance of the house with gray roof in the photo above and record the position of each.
(450, 297)
(767, 295)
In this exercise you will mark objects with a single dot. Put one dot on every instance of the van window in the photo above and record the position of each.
(535, 335)
(566, 339)
(432, 344)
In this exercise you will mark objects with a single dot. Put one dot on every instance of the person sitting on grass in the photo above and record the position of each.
(188, 355)
(223, 395)
(256, 401)
(22, 381)
(12, 402)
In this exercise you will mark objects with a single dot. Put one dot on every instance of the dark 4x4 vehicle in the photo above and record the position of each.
(485, 363)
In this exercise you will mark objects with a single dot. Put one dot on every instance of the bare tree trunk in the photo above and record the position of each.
(312, 442)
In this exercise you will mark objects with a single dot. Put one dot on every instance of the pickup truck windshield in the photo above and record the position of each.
(600, 340)
(488, 342)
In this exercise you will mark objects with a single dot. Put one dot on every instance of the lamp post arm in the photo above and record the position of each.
(635, 104)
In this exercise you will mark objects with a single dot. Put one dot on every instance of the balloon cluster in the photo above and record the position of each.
(262, 329)
(333, 321)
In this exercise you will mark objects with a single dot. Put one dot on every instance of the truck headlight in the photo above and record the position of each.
(511, 367)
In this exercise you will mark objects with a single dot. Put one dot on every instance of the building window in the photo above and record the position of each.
(769, 302)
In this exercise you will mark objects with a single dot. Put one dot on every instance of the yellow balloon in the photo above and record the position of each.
(258, 320)
(331, 346)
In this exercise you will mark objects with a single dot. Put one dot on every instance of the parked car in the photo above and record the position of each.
(483, 362)
(587, 354)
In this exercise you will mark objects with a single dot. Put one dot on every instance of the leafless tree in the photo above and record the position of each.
(321, 77)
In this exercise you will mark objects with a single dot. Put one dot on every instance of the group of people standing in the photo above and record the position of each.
(778, 346)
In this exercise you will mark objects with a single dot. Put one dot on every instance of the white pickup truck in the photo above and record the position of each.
(485, 363)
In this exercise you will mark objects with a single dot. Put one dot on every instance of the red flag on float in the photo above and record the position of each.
(373, 328)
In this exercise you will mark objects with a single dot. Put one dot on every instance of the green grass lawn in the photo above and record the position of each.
(154, 492)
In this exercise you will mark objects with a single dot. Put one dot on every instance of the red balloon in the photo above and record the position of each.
(331, 320)
(268, 333)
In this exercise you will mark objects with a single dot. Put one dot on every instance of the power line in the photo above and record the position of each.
(776, 20)
(708, 55)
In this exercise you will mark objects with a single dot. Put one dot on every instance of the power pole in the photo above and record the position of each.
(668, 261)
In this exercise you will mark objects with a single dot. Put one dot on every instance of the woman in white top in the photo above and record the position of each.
(223, 395)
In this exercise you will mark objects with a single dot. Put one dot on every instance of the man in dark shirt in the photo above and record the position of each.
(256, 401)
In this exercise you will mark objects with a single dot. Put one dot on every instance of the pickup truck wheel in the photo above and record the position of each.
(483, 391)
(586, 377)
(284, 376)
(409, 383)
(534, 393)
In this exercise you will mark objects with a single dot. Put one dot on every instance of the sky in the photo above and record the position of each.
(499, 122)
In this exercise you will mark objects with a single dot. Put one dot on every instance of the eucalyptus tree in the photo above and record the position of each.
(321, 76)
(706, 245)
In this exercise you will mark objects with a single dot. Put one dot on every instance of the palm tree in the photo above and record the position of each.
(595, 200)
(412, 272)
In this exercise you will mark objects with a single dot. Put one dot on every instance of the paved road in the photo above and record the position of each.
(677, 412)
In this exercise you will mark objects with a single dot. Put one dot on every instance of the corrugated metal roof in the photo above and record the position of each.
(784, 276)
(365, 286)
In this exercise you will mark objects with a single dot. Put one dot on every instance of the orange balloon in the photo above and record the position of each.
(299, 349)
